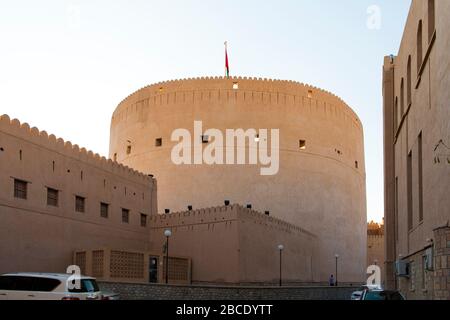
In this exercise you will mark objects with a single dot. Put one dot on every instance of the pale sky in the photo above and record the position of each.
(65, 65)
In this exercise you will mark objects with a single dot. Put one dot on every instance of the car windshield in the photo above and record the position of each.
(87, 285)
(374, 295)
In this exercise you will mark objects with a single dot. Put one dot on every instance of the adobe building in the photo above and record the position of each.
(61, 205)
(319, 184)
(375, 246)
(57, 198)
(416, 109)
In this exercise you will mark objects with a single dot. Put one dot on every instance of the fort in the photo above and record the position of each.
(71, 206)
(320, 183)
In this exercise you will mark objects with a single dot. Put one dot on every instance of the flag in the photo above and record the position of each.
(227, 67)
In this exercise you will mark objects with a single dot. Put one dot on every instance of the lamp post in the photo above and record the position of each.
(167, 234)
(280, 248)
(336, 256)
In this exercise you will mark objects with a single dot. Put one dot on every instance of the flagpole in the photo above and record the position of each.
(227, 70)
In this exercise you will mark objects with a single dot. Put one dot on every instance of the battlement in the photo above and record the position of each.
(41, 138)
(220, 214)
(291, 91)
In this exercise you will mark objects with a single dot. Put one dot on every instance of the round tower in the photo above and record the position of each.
(318, 182)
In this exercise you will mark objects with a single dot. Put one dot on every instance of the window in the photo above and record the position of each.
(408, 82)
(431, 19)
(125, 215)
(409, 191)
(396, 209)
(20, 189)
(158, 142)
(395, 115)
(143, 220)
(302, 144)
(52, 197)
(356, 164)
(420, 176)
(235, 85)
(402, 98)
(205, 138)
(79, 204)
(104, 208)
(128, 149)
(419, 47)
(310, 94)
(115, 157)
(20, 155)
(424, 272)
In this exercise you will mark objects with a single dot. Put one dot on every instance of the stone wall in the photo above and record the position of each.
(129, 291)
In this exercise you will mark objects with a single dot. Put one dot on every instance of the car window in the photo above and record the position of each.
(22, 283)
(6, 283)
(395, 296)
(45, 284)
(374, 295)
(87, 285)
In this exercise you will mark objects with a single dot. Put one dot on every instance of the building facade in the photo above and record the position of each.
(375, 247)
(416, 99)
(320, 181)
(57, 198)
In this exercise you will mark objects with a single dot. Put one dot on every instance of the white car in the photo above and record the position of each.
(46, 286)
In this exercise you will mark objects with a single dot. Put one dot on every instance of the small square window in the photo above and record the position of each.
(125, 215)
(79, 204)
(20, 189)
(158, 142)
(302, 144)
(52, 197)
(104, 208)
(235, 85)
(205, 139)
(143, 220)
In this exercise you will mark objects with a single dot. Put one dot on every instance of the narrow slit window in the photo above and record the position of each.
(125, 215)
(104, 210)
(302, 144)
(158, 142)
(143, 220)
(128, 149)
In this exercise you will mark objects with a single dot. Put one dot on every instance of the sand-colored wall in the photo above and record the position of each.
(429, 114)
(235, 245)
(38, 237)
(319, 188)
